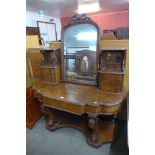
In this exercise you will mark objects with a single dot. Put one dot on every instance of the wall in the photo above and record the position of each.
(107, 21)
(32, 18)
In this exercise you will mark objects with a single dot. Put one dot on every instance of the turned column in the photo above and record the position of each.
(92, 123)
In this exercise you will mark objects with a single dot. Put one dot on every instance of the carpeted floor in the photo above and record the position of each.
(67, 141)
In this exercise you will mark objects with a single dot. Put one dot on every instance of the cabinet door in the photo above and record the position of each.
(111, 82)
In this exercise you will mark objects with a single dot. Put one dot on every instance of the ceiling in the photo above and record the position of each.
(66, 8)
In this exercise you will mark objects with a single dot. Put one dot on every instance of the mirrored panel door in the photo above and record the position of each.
(80, 50)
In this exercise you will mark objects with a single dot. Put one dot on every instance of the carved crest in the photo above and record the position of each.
(79, 17)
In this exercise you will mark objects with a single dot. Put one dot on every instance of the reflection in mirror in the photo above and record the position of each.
(80, 46)
(84, 66)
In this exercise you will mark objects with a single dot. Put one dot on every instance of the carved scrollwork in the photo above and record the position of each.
(92, 124)
(44, 109)
(79, 17)
(50, 117)
(94, 136)
(50, 123)
(38, 95)
(92, 121)
(50, 58)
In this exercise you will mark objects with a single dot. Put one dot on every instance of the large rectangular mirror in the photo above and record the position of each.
(80, 46)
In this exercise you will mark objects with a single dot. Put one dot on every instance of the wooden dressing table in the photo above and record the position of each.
(75, 98)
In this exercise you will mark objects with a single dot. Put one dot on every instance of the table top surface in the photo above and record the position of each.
(78, 94)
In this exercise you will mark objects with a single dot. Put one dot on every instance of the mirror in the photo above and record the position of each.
(79, 52)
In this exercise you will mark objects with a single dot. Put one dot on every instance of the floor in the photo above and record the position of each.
(68, 141)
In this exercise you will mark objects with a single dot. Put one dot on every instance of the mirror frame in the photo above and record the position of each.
(78, 19)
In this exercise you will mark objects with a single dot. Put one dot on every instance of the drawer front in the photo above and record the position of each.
(111, 82)
(68, 107)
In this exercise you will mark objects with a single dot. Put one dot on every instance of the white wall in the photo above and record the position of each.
(32, 18)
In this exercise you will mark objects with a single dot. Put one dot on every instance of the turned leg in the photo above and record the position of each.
(92, 123)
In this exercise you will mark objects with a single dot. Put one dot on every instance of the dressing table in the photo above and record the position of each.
(81, 86)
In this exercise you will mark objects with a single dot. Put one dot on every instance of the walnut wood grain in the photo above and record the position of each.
(78, 99)
(111, 82)
(50, 74)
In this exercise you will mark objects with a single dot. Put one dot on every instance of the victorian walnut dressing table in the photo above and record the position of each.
(80, 85)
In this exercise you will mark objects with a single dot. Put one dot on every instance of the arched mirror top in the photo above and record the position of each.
(80, 41)
(80, 19)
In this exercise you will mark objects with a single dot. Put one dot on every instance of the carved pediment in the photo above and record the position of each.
(79, 18)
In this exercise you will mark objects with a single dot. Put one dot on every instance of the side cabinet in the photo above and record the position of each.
(50, 67)
(111, 71)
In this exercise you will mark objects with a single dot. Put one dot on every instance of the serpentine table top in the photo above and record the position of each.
(78, 95)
